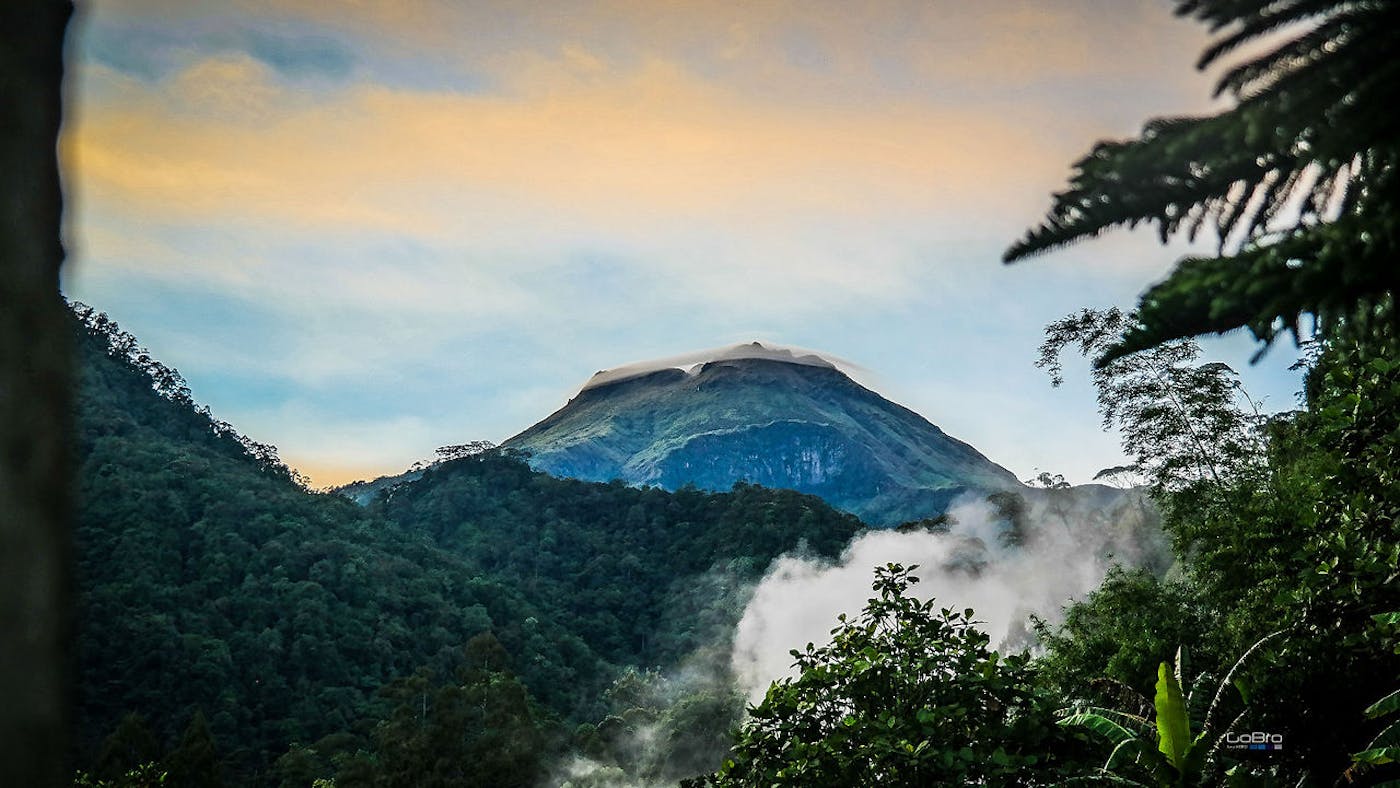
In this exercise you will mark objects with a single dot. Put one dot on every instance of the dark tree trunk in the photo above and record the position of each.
(35, 396)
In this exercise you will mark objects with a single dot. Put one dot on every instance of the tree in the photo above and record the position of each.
(1286, 523)
(1208, 457)
(1182, 422)
(479, 730)
(1298, 180)
(1290, 524)
(905, 694)
(1116, 636)
(196, 761)
(660, 730)
(460, 450)
(128, 747)
(147, 775)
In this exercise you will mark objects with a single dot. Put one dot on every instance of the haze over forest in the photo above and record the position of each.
(373, 486)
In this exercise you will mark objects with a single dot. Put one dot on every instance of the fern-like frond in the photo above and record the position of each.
(1260, 26)
(1079, 716)
(1297, 180)
(1322, 271)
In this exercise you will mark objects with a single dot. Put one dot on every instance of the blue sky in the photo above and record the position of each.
(365, 231)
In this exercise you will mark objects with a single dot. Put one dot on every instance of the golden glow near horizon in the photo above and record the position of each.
(703, 110)
(356, 219)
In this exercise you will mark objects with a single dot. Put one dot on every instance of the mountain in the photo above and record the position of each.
(210, 583)
(764, 415)
(215, 594)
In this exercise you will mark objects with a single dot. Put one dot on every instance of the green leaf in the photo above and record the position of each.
(1390, 703)
(1099, 724)
(1173, 729)
(1129, 751)
(1242, 686)
(1377, 756)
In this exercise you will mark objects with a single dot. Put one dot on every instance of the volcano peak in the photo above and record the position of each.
(767, 414)
(694, 360)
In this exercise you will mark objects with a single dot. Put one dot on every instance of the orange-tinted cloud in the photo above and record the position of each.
(635, 122)
(654, 143)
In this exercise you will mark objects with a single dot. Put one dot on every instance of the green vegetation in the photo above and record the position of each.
(478, 728)
(1286, 524)
(1284, 529)
(218, 593)
(1292, 531)
(1181, 744)
(212, 583)
(1298, 179)
(1286, 545)
(1385, 748)
(792, 426)
(620, 564)
(905, 694)
(660, 729)
(468, 627)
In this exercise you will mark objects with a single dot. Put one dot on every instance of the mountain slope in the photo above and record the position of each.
(791, 422)
(619, 563)
(209, 580)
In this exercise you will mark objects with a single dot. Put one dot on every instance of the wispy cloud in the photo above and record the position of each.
(463, 209)
(152, 52)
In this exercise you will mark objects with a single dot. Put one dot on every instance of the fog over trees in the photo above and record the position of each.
(481, 623)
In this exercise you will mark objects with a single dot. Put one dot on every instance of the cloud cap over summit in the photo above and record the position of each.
(691, 362)
(763, 414)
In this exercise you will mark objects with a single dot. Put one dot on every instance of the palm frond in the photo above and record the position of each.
(1387, 705)
(1297, 180)
(1258, 27)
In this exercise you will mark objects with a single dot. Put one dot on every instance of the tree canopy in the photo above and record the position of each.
(1297, 179)
(906, 693)
(214, 585)
(1284, 524)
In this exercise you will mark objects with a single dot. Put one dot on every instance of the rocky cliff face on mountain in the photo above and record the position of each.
(765, 416)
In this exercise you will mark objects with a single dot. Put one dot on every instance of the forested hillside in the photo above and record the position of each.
(619, 563)
(239, 614)
(766, 419)
(1270, 654)
(1227, 615)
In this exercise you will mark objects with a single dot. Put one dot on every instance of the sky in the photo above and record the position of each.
(365, 229)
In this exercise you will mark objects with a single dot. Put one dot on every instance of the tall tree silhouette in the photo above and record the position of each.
(34, 402)
(1297, 179)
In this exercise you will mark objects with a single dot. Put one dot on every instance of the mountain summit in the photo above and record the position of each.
(761, 414)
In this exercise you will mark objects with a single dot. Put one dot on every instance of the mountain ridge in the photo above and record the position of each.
(764, 420)
(213, 586)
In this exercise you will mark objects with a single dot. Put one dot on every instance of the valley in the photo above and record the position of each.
(223, 601)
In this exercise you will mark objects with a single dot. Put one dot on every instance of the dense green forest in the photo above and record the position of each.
(488, 625)
(1270, 654)
(1277, 626)
(220, 600)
